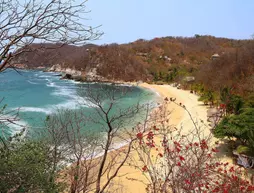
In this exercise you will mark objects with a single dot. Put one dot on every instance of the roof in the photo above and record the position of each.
(215, 55)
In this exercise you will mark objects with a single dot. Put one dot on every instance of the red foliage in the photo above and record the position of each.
(215, 150)
(139, 136)
(156, 128)
(181, 158)
(144, 169)
(203, 144)
(150, 135)
(222, 106)
(191, 168)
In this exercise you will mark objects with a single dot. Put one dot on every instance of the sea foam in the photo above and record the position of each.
(36, 109)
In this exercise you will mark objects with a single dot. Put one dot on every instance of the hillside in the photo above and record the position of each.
(165, 59)
(49, 54)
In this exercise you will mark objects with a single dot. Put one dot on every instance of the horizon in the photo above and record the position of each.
(205, 35)
(125, 22)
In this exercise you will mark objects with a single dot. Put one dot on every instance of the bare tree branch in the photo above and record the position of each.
(33, 21)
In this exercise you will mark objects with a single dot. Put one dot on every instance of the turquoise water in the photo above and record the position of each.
(37, 94)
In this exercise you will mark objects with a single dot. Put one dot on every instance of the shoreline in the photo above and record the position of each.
(131, 179)
(179, 117)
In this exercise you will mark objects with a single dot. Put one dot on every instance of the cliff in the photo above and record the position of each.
(72, 73)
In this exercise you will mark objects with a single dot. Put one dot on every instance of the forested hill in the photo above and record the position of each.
(212, 61)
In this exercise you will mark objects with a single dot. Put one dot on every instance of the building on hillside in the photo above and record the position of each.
(166, 58)
(142, 54)
(189, 79)
(215, 56)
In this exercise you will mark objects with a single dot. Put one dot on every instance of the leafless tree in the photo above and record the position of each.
(94, 164)
(71, 143)
(55, 21)
(112, 118)
(8, 118)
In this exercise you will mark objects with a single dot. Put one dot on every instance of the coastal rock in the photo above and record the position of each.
(89, 74)
(19, 66)
(66, 71)
(55, 68)
(78, 78)
(73, 72)
(40, 67)
(67, 76)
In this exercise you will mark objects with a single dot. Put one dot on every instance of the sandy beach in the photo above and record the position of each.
(131, 179)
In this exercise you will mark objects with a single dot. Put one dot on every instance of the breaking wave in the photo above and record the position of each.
(35, 109)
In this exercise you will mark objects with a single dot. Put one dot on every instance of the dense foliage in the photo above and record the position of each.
(25, 166)
(240, 126)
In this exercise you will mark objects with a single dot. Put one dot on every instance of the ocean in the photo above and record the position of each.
(35, 95)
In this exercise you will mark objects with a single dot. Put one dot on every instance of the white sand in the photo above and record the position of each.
(178, 117)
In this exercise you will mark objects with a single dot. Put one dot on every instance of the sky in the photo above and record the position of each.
(124, 21)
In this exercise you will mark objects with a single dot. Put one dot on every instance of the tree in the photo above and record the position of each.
(238, 126)
(56, 21)
(93, 163)
(197, 36)
(23, 23)
(38, 166)
(25, 167)
(113, 119)
(184, 161)
(7, 118)
(207, 96)
(71, 142)
(233, 103)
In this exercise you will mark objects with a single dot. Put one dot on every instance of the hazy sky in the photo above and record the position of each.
(124, 21)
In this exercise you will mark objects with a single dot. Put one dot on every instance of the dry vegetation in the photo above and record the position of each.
(161, 59)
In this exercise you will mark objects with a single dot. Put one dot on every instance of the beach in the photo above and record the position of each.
(131, 179)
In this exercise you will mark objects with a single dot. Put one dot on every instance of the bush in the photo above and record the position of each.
(26, 167)
(239, 126)
(208, 97)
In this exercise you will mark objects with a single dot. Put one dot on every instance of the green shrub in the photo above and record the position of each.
(239, 126)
